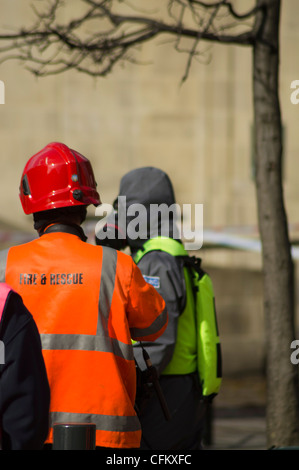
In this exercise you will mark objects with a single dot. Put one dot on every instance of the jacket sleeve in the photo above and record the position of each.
(167, 274)
(147, 312)
(24, 388)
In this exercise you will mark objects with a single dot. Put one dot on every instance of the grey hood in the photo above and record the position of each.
(146, 205)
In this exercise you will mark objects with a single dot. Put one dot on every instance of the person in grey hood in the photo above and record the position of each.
(146, 209)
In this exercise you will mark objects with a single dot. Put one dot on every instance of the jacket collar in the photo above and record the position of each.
(66, 228)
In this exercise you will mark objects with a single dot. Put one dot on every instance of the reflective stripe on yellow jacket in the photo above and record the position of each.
(88, 302)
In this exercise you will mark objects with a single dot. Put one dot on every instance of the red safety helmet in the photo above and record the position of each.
(57, 176)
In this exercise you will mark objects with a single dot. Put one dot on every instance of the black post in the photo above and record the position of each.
(74, 436)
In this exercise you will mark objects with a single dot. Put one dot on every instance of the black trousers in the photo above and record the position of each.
(185, 428)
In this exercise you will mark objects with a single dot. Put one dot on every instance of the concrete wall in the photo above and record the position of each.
(200, 132)
(240, 312)
(239, 303)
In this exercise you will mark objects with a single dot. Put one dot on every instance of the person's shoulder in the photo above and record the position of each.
(160, 257)
(15, 314)
(8, 295)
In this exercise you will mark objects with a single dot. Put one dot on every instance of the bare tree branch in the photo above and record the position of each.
(194, 47)
(230, 8)
(55, 46)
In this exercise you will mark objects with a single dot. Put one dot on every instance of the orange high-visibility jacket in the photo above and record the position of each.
(88, 302)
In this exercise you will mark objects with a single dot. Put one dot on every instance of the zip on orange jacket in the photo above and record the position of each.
(88, 303)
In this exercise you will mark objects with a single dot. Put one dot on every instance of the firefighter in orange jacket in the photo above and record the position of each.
(88, 301)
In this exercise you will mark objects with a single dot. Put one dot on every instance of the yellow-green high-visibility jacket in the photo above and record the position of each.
(197, 345)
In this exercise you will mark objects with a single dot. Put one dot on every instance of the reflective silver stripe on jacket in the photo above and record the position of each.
(102, 422)
(81, 342)
(106, 289)
(3, 262)
(153, 328)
